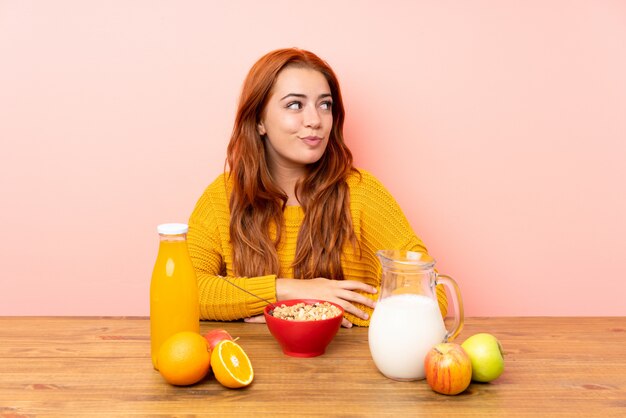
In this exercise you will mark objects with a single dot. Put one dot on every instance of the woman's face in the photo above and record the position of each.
(297, 119)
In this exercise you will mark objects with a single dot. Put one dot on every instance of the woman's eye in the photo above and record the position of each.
(327, 105)
(294, 105)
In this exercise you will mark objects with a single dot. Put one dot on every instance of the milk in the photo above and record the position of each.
(402, 330)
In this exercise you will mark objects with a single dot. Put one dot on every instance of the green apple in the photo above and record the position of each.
(485, 352)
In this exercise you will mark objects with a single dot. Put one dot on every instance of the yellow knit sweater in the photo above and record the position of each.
(378, 224)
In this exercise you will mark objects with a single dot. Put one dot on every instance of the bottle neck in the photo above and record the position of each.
(172, 238)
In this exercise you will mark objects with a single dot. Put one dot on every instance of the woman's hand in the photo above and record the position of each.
(259, 319)
(341, 292)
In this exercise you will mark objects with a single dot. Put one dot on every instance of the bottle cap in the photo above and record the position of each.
(172, 229)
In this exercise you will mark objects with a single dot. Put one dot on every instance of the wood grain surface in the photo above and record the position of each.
(100, 366)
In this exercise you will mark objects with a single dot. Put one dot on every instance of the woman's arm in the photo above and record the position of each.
(219, 299)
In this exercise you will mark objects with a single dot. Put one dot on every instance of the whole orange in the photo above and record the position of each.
(184, 358)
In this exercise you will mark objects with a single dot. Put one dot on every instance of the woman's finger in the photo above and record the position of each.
(259, 319)
(350, 308)
(354, 285)
(356, 298)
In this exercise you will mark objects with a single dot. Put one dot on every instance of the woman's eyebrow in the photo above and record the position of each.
(303, 96)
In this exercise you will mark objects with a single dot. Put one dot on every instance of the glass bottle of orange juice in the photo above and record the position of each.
(174, 303)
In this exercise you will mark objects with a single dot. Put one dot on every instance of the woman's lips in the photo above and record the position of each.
(311, 140)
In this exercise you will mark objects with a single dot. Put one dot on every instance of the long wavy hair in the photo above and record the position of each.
(257, 203)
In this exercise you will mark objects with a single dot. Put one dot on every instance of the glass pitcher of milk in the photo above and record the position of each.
(407, 322)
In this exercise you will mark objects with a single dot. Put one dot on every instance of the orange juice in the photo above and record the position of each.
(173, 290)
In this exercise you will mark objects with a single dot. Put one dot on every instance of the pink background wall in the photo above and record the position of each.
(500, 127)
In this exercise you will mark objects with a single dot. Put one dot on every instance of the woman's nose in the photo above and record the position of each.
(311, 117)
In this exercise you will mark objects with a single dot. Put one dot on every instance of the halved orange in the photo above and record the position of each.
(231, 365)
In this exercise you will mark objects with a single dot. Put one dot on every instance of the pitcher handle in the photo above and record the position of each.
(455, 293)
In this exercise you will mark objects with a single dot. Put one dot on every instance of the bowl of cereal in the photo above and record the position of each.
(303, 327)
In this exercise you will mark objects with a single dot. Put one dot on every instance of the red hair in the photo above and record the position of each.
(257, 204)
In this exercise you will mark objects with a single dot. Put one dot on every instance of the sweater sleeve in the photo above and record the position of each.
(209, 248)
(384, 226)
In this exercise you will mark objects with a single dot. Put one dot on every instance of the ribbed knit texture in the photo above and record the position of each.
(378, 221)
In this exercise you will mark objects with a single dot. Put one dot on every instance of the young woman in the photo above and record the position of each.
(292, 218)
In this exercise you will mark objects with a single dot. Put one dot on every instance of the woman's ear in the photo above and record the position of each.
(260, 127)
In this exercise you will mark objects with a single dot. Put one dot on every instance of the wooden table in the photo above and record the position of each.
(67, 366)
